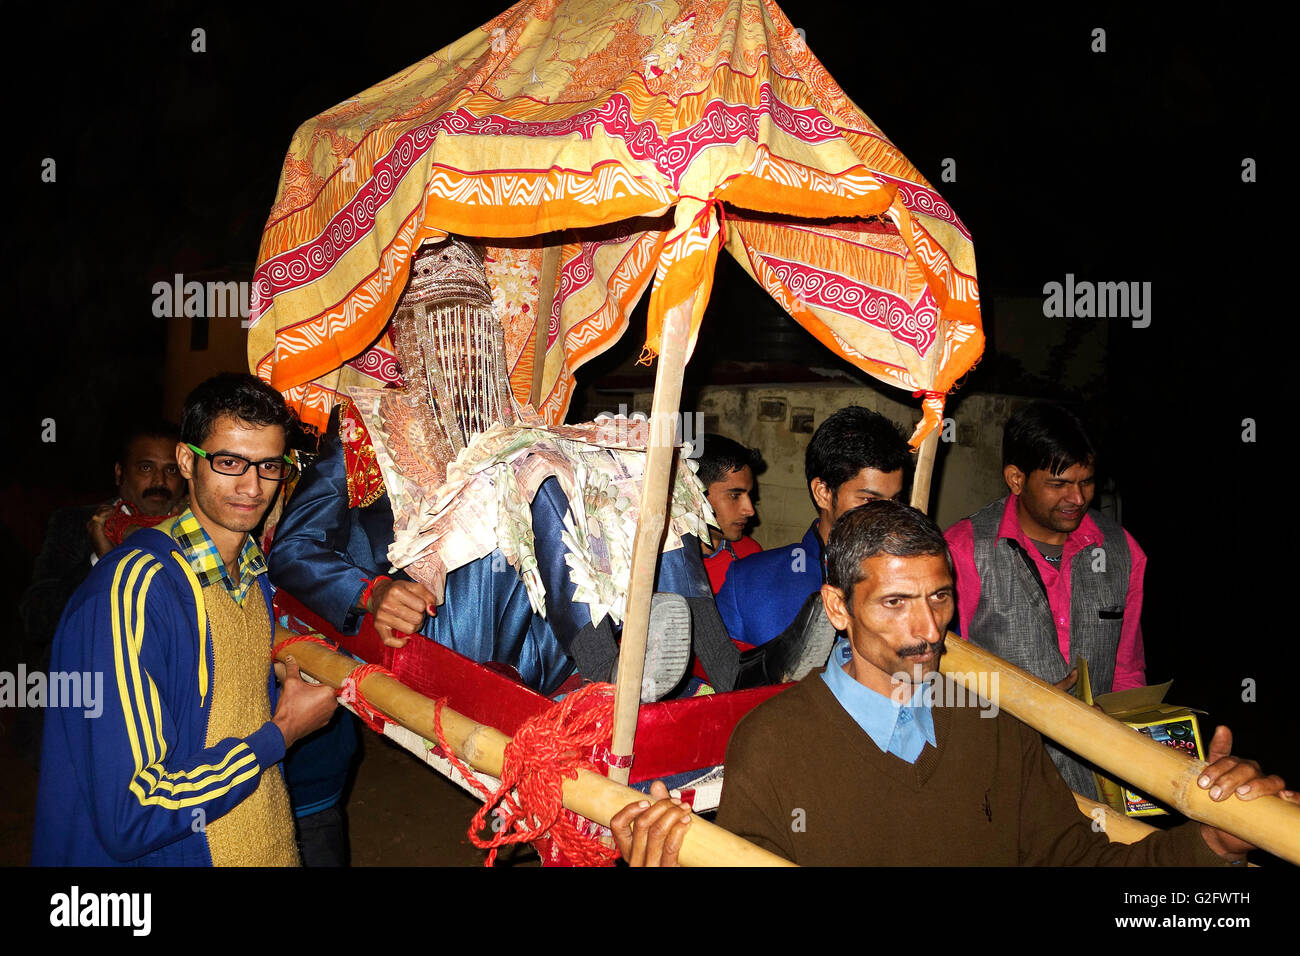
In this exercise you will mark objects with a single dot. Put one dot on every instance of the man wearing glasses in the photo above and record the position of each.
(169, 768)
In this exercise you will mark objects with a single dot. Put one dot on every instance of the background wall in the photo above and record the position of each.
(779, 421)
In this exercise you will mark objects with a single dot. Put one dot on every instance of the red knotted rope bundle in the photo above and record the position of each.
(546, 750)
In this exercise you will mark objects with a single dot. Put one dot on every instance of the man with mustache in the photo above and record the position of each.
(149, 485)
(860, 765)
(180, 767)
(1043, 581)
(148, 482)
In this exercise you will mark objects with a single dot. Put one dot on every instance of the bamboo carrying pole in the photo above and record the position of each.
(483, 748)
(655, 484)
(1117, 827)
(1160, 772)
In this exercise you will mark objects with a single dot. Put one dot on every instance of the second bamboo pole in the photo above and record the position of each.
(1270, 823)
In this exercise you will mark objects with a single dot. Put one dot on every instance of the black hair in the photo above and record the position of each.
(879, 527)
(851, 439)
(1047, 437)
(240, 396)
(720, 456)
(145, 429)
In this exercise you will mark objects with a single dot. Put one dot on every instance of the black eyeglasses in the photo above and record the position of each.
(273, 469)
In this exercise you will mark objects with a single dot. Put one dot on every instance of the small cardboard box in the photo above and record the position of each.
(1144, 709)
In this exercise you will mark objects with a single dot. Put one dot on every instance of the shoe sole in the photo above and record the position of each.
(668, 646)
(816, 649)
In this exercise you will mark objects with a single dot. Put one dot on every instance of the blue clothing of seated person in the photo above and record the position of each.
(316, 771)
(765, 591)
(335, 533)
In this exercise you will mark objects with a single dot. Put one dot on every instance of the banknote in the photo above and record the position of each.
(483, 505)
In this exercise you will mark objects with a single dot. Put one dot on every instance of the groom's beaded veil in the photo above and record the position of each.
(451, 349)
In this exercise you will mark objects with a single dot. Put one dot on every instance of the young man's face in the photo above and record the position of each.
(1051, 506)
(148, 476)
(867, 485)
(229, 506)
(895, 619)
(730, 498)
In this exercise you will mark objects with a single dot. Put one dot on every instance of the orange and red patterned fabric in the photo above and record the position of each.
(601, 148)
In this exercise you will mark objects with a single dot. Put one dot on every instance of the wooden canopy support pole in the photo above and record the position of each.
(1158, 771)
(655, 483)
(924, 471)
(483, 748)
(549, 280)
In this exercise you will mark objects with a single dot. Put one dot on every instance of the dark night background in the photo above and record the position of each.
(1120, 166)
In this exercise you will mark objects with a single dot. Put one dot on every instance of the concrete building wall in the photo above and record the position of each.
(779, 420)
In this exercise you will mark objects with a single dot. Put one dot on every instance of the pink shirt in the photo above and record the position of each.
(1130, 661)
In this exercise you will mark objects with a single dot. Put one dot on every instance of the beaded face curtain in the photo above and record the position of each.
(452, 350)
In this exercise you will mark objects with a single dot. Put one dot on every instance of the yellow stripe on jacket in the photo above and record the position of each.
(151, 782)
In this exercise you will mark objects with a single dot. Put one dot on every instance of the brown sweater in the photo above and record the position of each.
(259, 831)
(803, 780)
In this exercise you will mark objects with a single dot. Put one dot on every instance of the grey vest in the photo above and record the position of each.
(1014, 620)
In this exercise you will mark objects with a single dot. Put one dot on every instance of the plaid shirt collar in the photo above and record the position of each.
(205, 560)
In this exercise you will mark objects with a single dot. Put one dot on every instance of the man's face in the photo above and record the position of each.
(730, 499)
(227, 503)
(1051, 506)
(895, 619)
(867, 485)
(148, 477)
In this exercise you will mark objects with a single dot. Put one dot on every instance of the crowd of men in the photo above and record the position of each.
(206, 753)
(198, 723)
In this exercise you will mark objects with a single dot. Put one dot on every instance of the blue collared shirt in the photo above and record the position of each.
(897, 728)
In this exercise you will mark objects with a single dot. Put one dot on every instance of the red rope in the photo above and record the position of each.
(307, 638)
(712, 203)
(370, 589)
(456, 762)
(706, 214)
(350, 693)
(548, 749)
